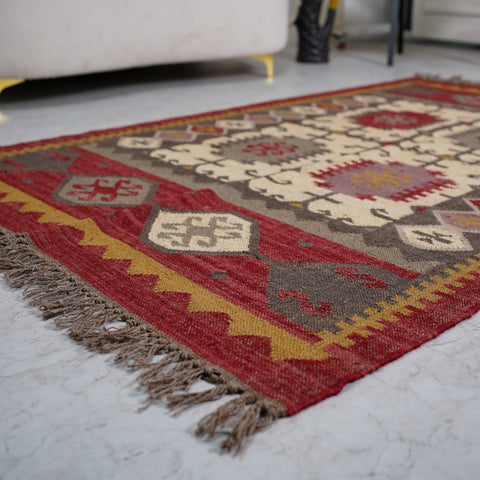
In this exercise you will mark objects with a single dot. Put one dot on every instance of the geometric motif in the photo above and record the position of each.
(175, 135)
(206, 129)
(57, 160)
(198, 233)
(470, 139)
(464, 221)
(140, 142)
(391, 170)
(262, 119)
(470, 100)
(388, 119)
(309, 293)
(287, 115)
(456, 139)
(433, 237)
(235, 124)
(103, 191)
(366, 179)
(268, 149)
(448, 236)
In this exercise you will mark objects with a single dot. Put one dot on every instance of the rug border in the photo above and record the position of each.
(53, 142)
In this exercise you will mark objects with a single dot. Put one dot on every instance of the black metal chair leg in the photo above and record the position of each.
(401, 26)
(393, 30)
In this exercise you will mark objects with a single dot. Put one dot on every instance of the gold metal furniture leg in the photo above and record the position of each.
(268, 61)
(9, 82)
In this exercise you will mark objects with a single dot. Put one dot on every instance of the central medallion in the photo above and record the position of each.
(368, 180)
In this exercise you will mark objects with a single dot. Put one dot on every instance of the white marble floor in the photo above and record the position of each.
(66, 413)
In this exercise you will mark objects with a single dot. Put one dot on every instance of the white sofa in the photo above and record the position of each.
(51, 38)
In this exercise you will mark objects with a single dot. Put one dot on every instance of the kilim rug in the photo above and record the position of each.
(277, 251)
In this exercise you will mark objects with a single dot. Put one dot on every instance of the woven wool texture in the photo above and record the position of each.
(277, 251)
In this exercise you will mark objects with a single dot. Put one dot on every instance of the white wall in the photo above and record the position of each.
(366, 11)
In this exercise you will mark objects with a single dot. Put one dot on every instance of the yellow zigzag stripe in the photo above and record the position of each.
(284, 346)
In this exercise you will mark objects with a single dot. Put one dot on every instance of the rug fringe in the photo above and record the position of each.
(102, 325)
(455, 79)
(244, 416)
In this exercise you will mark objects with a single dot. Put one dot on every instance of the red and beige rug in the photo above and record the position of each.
(277, 251)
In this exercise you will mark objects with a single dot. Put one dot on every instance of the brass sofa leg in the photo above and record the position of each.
(267, 60)
(9, 82)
